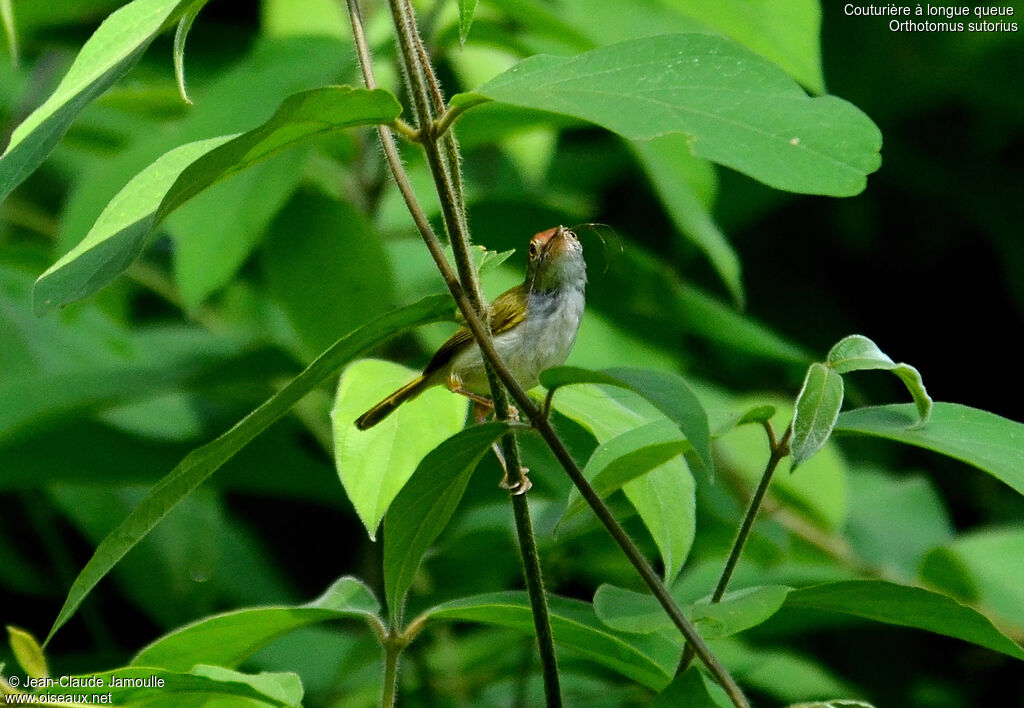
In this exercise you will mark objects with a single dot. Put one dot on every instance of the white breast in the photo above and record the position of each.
(542, 341)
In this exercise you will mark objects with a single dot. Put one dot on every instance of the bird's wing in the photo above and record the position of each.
(507, 311)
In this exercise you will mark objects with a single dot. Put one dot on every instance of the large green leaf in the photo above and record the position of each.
(375, 464)
(425, 505)
(977, 437)
(739, 109)
(111, 52)
(648, 660)
(202, 462)
(202, 684)
(906, 606)
(119, 234)
(230, 638)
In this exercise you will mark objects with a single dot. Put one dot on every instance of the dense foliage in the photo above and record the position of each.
(182, 283)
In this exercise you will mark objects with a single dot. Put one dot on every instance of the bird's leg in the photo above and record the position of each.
(523, 486)
(482, 405)
(482, 408)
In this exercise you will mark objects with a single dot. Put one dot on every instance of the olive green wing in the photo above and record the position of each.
(507, 311)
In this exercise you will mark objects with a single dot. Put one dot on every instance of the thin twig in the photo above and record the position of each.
(778, 450)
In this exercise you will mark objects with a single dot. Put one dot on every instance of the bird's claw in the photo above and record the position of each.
(522, 487)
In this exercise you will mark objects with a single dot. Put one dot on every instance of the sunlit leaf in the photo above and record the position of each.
(466, 10)
(375, 464)
(667, 391)
(27, 652)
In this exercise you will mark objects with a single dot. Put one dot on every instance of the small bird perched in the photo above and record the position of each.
(533, 326)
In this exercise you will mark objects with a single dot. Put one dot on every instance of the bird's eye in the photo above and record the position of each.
(572, 235)
(533, 250)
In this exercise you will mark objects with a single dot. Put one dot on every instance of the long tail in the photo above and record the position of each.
(386, 407)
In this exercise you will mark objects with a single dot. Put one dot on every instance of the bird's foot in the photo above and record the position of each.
(522, 487)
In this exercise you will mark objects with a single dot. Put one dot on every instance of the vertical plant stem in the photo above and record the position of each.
(392, 650)
(779, 449)
(535, 589)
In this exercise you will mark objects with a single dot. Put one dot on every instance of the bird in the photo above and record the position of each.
(533, 327)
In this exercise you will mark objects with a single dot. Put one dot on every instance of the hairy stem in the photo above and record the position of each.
(392, 650)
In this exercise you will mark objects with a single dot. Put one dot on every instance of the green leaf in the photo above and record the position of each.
(980, 558)
(979, 438)
(663, 159)
(202, 462)
(109, 53)
(425, 505)
(11, 31)
(895, 520)
(629, 611)
(817, 408)
(375, 464)
(466, 10)
(180, 35)
(216, 231)
(665, 498)
(168, 689)
(739, 109)
(667, 391)
(890, 603)
(785, 31)
(331, 240)
(230, 638)
(27, 652)
(648, 660)
(626, 457)
(693, 690)
(119, 234)
(858, 353)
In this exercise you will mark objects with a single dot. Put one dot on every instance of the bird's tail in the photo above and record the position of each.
(386, 407)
